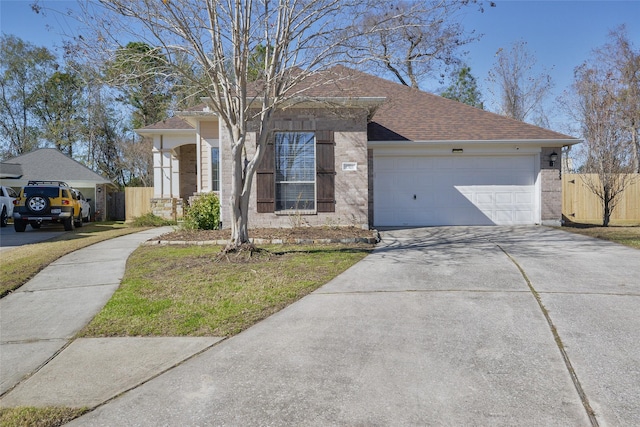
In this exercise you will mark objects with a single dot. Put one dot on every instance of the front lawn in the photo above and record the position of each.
(196, 291)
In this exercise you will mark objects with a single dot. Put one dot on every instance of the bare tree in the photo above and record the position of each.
(519, 90)
(146, 93)
(299, 37)
(607, 164)
(411, 40)
(624, 68)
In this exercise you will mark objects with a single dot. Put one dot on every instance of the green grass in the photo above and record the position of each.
(21, 264)
(38, 417)
(194, 291)
(151, 220)
(628, 236)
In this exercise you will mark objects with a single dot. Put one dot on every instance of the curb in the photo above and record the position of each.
(370, 240)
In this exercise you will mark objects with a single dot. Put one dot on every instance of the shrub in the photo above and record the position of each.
(204, 213)
(151, 220)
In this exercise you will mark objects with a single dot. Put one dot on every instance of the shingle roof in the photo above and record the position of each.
(51, 164)
(414, 115)
(10, 170)
(171, 123)
(409, 114)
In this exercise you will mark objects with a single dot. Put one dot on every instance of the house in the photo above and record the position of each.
(359, 149)
(49, 164)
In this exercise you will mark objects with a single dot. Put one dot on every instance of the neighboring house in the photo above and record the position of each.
(49, 164)
(10, 171)
(364, 150)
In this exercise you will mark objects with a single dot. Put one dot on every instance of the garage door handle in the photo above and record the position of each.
(414, 197)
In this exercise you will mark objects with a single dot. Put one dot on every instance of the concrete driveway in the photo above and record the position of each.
(439, 326)
(9, 239)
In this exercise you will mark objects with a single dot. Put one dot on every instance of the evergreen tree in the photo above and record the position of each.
(464, 88)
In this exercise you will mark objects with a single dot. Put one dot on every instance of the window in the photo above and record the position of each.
(298, 183)
(295, 172)
(215, 169)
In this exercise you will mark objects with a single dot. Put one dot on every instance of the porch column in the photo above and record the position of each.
(175, 174)
(162, 163)
(157, 169)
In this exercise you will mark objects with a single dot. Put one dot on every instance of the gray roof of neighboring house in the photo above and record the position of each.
(10, 170)
(51, 164)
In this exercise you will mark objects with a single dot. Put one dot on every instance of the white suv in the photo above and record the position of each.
(7, 196)
(85, 207)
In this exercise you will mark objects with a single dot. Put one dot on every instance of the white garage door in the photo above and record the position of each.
(423, 191)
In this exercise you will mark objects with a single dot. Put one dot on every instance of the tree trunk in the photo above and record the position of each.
(238, 201)
(606, 205)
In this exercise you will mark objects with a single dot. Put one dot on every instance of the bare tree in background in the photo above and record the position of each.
(623, 60)
(607, 163)
(411, 40)
(221, 37)
(520, 92)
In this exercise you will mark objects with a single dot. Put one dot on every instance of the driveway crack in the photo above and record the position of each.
(556, 336)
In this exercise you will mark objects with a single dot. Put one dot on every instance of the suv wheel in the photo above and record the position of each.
(4, 219)
(19, 225)
(37, 203)
(69, 224)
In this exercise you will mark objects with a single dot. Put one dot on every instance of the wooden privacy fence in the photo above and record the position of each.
(579, 204)
(137, 201)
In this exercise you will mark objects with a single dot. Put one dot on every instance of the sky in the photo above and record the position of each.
(560, 33)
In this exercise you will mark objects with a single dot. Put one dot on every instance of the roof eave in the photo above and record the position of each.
(532, 142)
(164, 131)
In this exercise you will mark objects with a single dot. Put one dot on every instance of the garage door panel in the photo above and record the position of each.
(504, 198)
(454, 190)
(524, 198)
(504, 215)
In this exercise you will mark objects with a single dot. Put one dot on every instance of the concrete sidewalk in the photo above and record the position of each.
(39, 319)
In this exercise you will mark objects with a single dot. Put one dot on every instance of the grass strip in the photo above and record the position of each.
(38, 417)
(628, 236)
(194, 291)
(19, 265)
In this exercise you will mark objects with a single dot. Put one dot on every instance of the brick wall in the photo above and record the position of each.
(351, 187)
(551, 187)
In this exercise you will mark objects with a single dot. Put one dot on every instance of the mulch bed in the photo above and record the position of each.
(285, 235)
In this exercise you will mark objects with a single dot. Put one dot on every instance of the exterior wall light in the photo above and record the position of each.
(552, 158)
